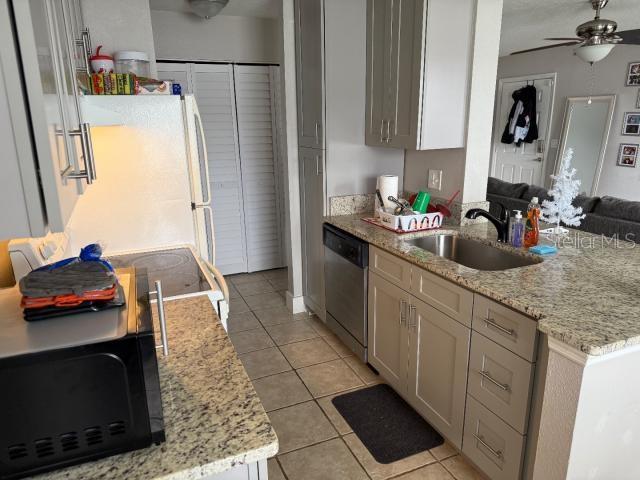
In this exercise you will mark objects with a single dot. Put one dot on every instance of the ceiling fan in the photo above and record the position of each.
(596, 38)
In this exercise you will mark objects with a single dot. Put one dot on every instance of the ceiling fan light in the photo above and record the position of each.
(594, 53)
(207, 8)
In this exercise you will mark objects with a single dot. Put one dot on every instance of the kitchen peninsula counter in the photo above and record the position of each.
(214, 420)
(585, 296)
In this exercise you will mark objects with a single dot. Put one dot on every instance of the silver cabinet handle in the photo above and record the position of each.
(91, 159)
(317, 135)
(538, 159)
(381, 131)
(319, 166)
(501, 386)
(164, 345)
(490, 322)
(388, 139)
(413, 321)
(403, 312)
(496, 453)
(82, 42)
(88, 173)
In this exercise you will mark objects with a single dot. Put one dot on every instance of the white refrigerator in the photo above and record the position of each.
(152, 189)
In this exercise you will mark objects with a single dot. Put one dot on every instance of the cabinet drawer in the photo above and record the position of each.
(501, 381)
(447, 297)
(491, 444)
(512, 330)
(389, 266)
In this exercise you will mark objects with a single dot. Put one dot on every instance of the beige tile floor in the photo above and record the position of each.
(297, 366)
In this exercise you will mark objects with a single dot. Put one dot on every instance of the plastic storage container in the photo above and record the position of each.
(132, 62)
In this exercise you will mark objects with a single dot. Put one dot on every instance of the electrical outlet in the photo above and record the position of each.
(435, 180)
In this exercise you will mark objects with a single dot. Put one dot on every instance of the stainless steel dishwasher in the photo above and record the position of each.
(346, 266)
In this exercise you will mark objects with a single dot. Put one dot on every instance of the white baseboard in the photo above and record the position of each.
(295, 304)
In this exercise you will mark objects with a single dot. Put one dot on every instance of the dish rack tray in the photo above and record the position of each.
(407, 223)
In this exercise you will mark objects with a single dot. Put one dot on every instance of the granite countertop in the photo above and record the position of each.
(586, 296)
(213, 417)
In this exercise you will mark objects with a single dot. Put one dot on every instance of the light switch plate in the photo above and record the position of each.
(435, 180)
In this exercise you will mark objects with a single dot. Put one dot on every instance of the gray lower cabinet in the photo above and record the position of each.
(491, 444)
(388, 334)
(438, 359)
(472, 380)
(251, 471)
(421, 353)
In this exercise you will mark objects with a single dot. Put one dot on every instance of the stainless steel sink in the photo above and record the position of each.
(471, 253)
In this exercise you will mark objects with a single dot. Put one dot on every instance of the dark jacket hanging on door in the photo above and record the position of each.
(522, 125)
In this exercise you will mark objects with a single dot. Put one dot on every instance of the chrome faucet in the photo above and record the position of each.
(501, 224)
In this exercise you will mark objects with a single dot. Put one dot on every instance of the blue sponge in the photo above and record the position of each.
(543, 249)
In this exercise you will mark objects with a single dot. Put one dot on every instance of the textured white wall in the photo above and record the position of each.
(606, 440)
(561, 393)
(352, 166)
(574, 80)
(120, 25)
(467, 168)
(182, 36)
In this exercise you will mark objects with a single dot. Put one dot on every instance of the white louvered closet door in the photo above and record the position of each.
(258, 158)
(213, 88)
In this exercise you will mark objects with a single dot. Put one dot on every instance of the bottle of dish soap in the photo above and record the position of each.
(517, 230)
(532, 224)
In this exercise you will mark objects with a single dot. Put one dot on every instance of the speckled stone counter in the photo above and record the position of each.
(586, 296)
(213, 417)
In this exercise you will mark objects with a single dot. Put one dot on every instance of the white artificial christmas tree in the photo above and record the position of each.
(565, 188)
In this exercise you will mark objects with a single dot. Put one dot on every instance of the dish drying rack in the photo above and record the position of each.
(416, 222)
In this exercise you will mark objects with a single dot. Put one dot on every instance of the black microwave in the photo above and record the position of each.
(78, 388)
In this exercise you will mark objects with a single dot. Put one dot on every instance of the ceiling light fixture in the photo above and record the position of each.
(207, 8)
(594, 53)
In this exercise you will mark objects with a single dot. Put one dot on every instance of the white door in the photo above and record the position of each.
(214, 91)
(524, 163)
(260, 185)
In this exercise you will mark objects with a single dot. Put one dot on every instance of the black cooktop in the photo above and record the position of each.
(177, 269)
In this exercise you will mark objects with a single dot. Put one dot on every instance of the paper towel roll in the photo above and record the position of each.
(388, 185)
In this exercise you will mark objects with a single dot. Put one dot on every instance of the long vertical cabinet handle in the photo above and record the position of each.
(413, 321)
(164, 345)
(403, 312)
(90, 158)
(89, 172)
(388, 138)
(317, 134)
(381, 131)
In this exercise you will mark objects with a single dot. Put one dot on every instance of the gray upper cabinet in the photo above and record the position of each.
(417, 83)
(50, 147)
(310, 75)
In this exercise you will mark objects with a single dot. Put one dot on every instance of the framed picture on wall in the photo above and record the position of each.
(633, 75)
(628, 154)
(631, 123)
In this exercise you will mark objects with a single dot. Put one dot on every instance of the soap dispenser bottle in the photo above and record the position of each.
(517, 230)
(532, 224)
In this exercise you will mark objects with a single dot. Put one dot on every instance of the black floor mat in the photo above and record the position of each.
(389, 428)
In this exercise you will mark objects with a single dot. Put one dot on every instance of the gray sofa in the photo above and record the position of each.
(608, 216)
